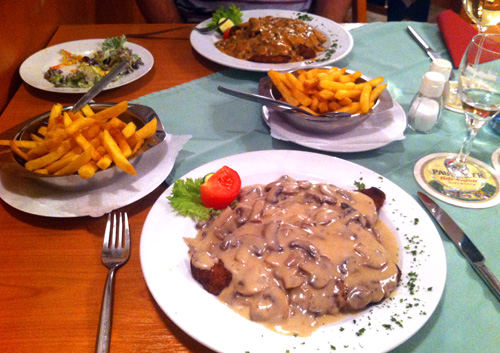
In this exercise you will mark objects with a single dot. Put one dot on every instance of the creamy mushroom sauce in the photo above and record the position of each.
(299, 253)
(272, 36)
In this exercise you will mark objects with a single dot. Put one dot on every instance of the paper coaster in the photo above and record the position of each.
(432, 175)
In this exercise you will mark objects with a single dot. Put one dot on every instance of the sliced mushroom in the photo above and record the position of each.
(252, 280)
(320, 272)
(271, 237)
(243, 213)
(305, 245)
(274, 193)
(258, 208)
(273, 306)
(372, 258)
(250, 192)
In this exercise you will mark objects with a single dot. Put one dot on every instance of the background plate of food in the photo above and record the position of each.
(66, 58)
(377, 328)
(335, 41)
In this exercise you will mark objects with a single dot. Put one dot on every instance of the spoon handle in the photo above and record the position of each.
(259, 99)
(97, 88)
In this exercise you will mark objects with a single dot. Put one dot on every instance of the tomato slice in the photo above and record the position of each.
(226, 34)
(221, 188)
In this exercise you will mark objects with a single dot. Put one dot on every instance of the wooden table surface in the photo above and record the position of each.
(51, 275)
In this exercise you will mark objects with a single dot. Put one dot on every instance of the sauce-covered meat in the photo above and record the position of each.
(297, 251)
(273, 40)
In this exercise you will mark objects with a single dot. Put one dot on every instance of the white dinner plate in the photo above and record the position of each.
(38, 199)
(379, 328)
(495, 159)
(339, 43)
(377, 131)
(33, 68)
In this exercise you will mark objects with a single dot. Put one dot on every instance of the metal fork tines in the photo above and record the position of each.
(198, 29)
(115, 253)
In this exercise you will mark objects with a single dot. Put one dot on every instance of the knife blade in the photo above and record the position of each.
(462, 242)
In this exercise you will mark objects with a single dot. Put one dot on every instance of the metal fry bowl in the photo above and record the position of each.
(318, 124)
(138, 114)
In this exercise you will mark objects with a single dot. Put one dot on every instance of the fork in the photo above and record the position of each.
(115, 253)
(202, 30)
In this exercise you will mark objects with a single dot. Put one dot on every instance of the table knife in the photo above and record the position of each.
(463, 243)
(430, 52)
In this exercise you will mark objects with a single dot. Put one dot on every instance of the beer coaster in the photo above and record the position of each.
(472, 192)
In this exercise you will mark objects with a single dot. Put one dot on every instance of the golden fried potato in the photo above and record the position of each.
(328, 90)
(82, 142)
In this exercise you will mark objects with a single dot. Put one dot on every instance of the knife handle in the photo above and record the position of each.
(99, 86)
(489, 278)
(419, 39)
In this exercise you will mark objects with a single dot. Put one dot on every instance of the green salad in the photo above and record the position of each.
(78, 71)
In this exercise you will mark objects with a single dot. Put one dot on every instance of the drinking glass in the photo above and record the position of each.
(484, 13)
(479, 91)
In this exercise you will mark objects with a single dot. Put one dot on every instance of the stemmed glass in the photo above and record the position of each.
(484, 13)
(479, 90)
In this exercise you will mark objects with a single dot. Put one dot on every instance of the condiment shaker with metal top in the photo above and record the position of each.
(426, 106)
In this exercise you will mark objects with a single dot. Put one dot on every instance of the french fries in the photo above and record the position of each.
(328, 90)
(82, 143)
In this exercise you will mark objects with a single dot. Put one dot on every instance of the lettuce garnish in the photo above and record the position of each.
(233, 13)
(186, 199)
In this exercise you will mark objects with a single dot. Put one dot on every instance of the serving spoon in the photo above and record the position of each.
(265, 100)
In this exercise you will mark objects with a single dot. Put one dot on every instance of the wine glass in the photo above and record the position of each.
(484, 13)
(479, 91)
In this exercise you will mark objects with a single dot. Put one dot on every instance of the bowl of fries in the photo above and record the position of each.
(326, 90)
(84, 150)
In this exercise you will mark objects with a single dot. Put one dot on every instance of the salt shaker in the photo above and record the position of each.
(426, 106)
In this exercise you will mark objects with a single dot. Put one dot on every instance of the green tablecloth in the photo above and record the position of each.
(468, 317)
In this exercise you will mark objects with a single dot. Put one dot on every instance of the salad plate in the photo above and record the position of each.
(32, 70)
(378, 328)
(338, 45)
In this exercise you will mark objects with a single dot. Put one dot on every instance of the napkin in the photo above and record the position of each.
(457, 34)
(378, 130)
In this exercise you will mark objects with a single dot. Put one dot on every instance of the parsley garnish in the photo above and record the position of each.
(360, 332)
(359, 185)
(304, 17)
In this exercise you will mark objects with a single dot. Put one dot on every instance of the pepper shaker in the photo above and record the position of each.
(426, 106)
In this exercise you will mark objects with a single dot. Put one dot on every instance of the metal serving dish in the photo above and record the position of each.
(319, 124)
(139, 114)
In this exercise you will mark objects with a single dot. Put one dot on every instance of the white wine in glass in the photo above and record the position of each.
(479, 90)
(484, 13)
